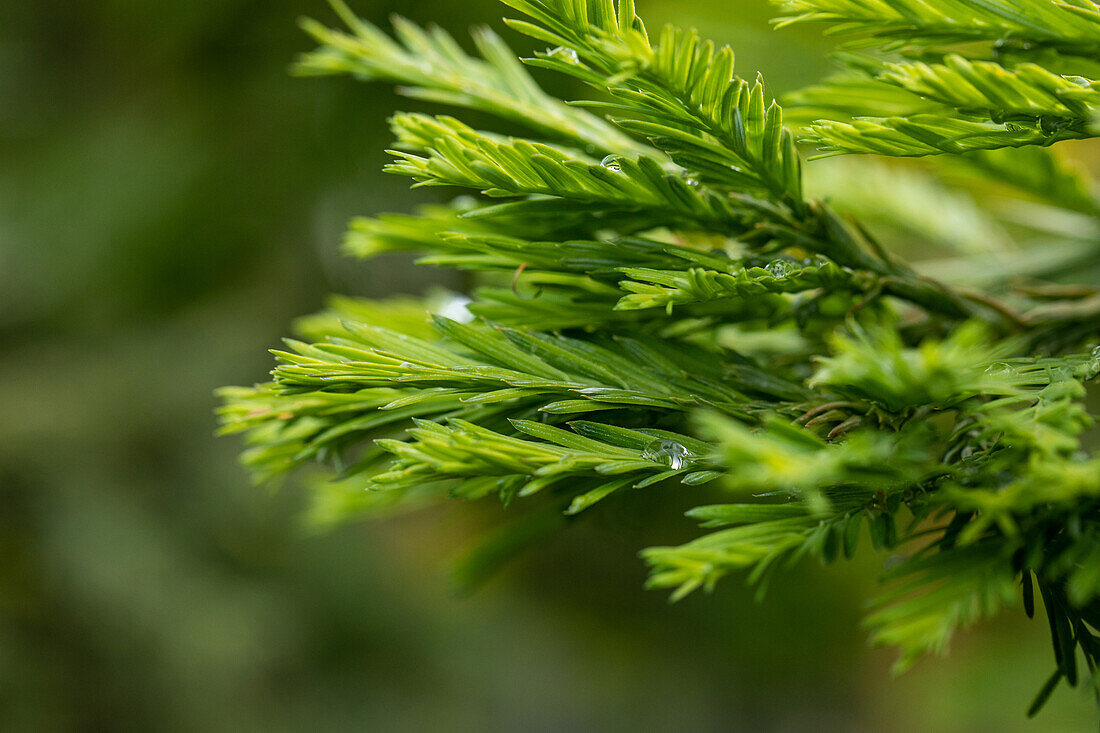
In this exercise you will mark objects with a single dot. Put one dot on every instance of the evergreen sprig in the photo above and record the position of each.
(431, 65)
(660, 301)
(1033, 86)
(1067, 26)
(983, 106)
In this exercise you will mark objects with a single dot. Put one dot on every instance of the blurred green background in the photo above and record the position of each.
(170, 198)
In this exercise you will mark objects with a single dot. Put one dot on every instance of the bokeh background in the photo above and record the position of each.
(170, 198)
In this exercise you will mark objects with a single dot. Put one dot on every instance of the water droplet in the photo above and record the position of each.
(1091, 368)
(1006, 46)
(561, 52)
(780, 268)
(611, 163)
(997, 368)
(668, 452)
(1050, 124)
(454, 308)
(693, 182)
(407, 365)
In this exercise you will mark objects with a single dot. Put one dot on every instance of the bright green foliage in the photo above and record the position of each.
(657, 288)
(1000, 107)
(433, 67)
(661, 303)
(456, 155)
(1027, 75)
(1068, 26)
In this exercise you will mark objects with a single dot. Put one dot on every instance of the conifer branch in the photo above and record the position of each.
(649, 261)
(433, 67)
(987, 106)
(1067, 26)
